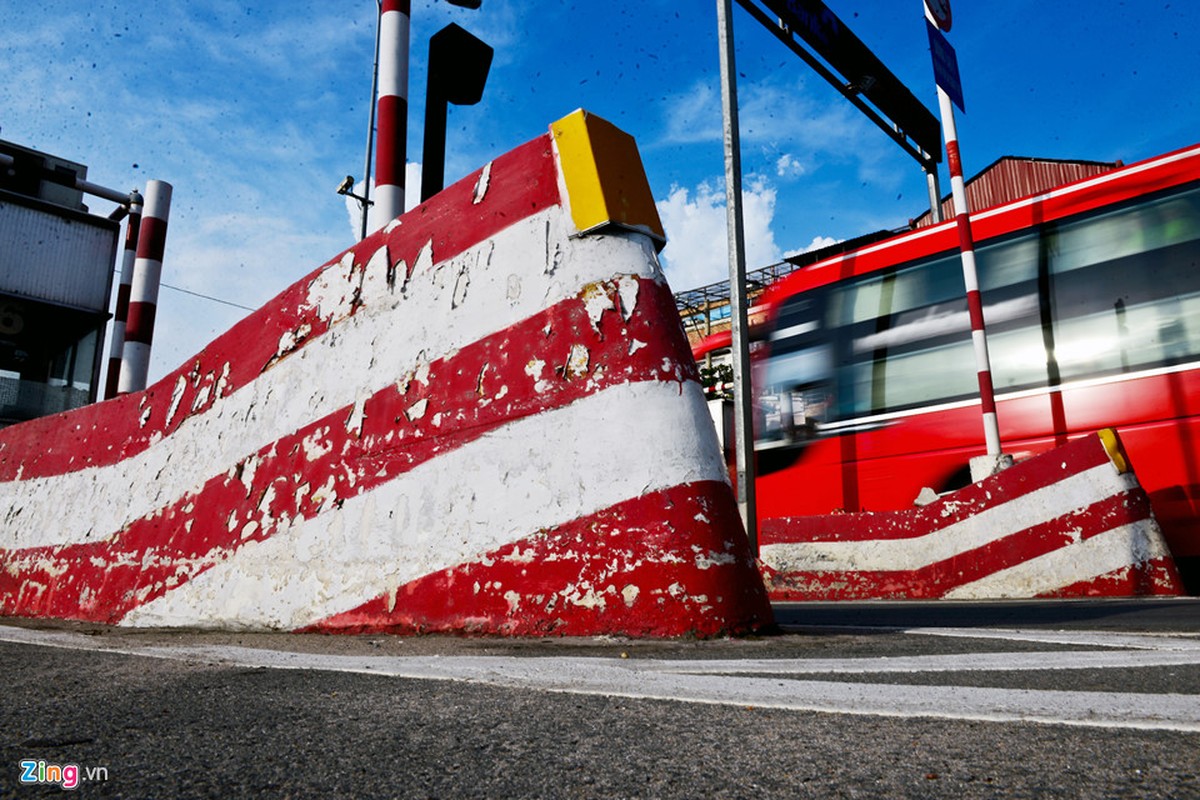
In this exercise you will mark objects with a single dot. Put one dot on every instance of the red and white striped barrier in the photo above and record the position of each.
(143, 293)
(1072, 522)
(481, 420)
(121, 312)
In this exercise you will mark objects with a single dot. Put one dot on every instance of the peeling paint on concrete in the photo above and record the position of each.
(1043, 527)
(711, 559)
(354, 422)
(176, 397)
(461, 284)
(316, 445)
(517, 476)
(417, 410)
(223, 381)
(598, 298)
(514, 601)
(333, 291)
(245, 471)
(627, 290)
(577, 362)
(534, 368)
(481, 185)
(347, 393)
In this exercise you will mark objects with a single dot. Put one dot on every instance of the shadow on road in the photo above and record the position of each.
(1159, 615)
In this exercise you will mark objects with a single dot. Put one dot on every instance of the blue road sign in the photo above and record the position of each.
(945, 66)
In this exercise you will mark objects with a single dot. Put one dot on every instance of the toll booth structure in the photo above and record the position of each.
(56, 274)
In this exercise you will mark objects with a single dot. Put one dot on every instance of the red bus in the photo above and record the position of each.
(865, 375)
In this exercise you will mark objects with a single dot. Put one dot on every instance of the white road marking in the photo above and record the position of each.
(1146, 641)
(759, 682)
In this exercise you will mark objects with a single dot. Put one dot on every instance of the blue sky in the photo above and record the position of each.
(255, 111)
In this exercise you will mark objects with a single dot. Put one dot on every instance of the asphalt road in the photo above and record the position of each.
(1163, 615)
(1074, 700)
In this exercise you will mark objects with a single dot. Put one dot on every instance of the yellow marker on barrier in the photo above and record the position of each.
(606, 184)
(1112, 446)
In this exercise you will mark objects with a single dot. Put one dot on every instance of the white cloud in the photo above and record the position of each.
(768, 113)
(817, 243)
(694, 116)
(788, 166)
(255, 112)
(779, 120)
(237, 258)
(695, 221)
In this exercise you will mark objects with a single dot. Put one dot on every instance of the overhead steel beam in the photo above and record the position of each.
(853, 71)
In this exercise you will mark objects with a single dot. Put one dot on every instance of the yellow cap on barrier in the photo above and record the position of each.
(1112, 446)
(606, 184)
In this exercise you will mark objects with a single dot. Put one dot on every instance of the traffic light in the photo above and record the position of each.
(458, 69)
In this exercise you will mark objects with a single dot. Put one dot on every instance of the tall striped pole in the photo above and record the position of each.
(966, 243)
(391, 148)
(143, 291)
(121, 313)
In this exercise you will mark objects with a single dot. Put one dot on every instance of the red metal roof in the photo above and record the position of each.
(1013, 177)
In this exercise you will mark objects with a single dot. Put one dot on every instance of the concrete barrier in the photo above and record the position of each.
(483, 418)
(1072, 522)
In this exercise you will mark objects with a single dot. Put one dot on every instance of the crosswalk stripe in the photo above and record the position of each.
(766, 683)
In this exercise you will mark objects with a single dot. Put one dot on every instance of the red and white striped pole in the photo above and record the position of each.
(143, 292)
(966, 242)
(391, 147)
(121, 314)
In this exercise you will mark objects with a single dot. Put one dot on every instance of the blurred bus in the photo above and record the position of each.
(864, 372)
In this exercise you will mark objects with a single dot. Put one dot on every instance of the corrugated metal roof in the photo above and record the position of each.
(55, 255)
(1013, 177)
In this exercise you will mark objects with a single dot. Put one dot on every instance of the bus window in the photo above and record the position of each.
(1093, 296)
(1125, 288)
(904, 338)
(798, 372)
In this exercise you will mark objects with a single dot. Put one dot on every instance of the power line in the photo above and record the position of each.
(198, 294)
(203, 296)
(207, 297)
